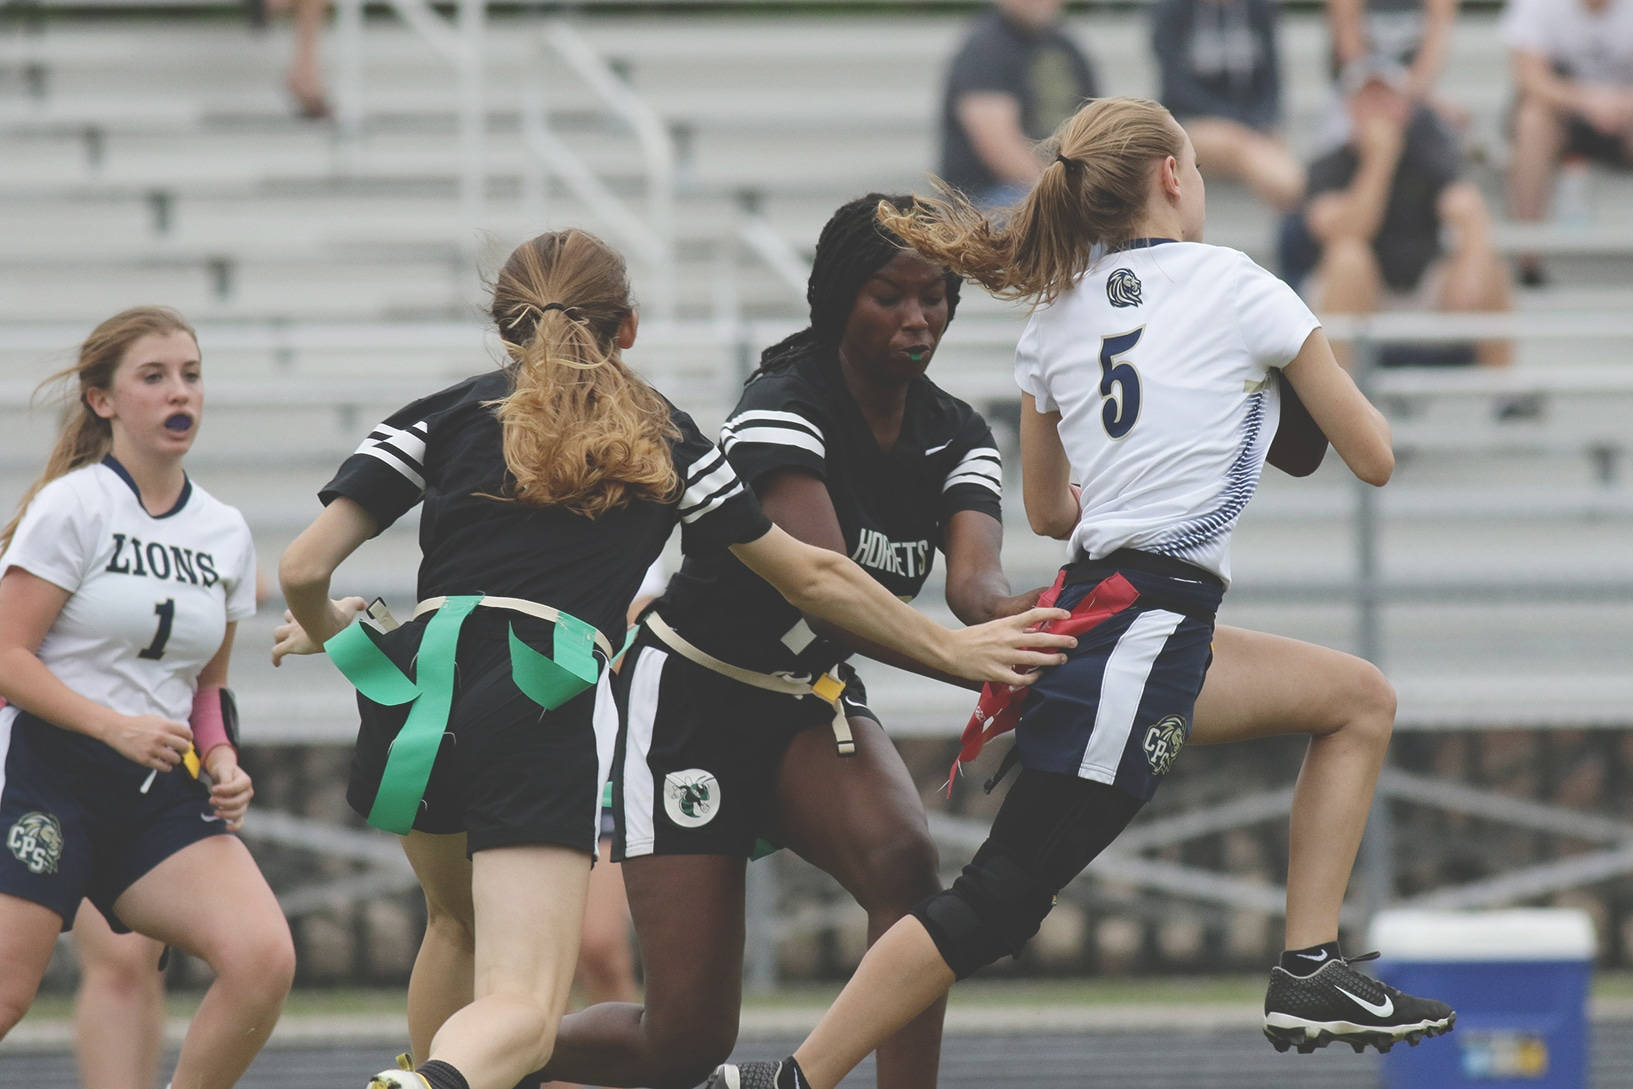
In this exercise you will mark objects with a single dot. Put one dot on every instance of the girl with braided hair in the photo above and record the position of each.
(741, 718)
(1157, 371)
(548, 487)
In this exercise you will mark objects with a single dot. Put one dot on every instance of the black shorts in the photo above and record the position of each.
(1583, 139)
(1120, 708)
(699, 754)
(508, 773)
(76, 823)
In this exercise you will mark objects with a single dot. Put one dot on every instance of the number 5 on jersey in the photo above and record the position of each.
(1119, 384)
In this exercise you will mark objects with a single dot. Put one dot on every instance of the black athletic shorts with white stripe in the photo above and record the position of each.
(1120, 708)
(698, 753)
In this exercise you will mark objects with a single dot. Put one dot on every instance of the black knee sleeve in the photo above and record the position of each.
(992, 910)
(1049, 828)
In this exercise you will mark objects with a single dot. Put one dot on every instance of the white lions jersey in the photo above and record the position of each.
(1159, 362)
(149, 596)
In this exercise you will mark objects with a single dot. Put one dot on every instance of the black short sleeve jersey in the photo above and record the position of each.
(445, 450)
(893, 506)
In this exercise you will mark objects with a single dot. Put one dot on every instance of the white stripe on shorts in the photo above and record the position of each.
(1121, 690)
(640, 795)
(605, 719)
(8, 718)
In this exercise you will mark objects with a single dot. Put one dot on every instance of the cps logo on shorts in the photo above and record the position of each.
(1163, 742)
(691, 798)
(1123, 288)
(36, 841)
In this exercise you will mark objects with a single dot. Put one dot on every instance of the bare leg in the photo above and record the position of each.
(1539, 137)
(693, 961)
(236, 928)
(446, 963)
(606, 965)
(529, 906)
(1350, 283)
(119, 1012)
(1476, 279)
(1259, 160)
(28, 933)
(860, 819)
(1265, 685)
(305, 79)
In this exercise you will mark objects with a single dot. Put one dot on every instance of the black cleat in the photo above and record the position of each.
(744, 1076)
(1338, 1003)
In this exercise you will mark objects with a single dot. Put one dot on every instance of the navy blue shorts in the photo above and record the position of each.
(1120, 708)
(77, 824)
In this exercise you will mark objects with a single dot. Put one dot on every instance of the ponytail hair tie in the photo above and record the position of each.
(573, 313)
(1067, 163)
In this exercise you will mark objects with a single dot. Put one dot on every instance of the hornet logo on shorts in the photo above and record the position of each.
(36, 841)
(691, 797)
(1123, 288)
(1163, 742)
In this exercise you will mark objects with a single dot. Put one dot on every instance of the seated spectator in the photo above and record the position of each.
(1378, 207)
(1016, 77)
(1573, 71)
(1415, 34)
(1221, 79)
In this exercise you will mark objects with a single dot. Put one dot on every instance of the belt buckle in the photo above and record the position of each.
(828, 687)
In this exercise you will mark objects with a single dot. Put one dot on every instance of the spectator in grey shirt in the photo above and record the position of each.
(1221, 79)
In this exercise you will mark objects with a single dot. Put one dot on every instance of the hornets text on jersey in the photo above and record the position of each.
(893, 506)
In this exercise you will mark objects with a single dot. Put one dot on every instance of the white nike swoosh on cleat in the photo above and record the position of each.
(1379, 1009)
(1318, 958)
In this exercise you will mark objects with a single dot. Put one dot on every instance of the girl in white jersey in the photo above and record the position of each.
(121, 584)
(1151, 372)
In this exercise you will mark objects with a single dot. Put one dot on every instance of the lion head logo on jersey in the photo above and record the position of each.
(691, 798)
(36, 841)
(1123, 288)
(1163, 742)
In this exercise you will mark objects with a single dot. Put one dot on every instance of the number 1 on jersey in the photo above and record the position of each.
(166, 612)
(1122, 407)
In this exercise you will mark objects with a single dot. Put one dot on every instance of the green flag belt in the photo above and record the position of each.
(551, 681)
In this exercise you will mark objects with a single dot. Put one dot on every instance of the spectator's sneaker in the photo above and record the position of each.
(398, 1079)
(744, 1076)
(1338, 1003)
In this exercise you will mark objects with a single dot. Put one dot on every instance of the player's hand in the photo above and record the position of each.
(230, 786)
(149, 740)
(290, 638)
(1005, 651)
(1379, 134)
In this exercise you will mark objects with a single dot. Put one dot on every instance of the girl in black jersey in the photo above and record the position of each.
(1153, 367)
(852, 449)
(548, 487)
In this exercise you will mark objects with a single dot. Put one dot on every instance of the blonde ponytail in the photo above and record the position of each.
(1094, 191)
(580, 430)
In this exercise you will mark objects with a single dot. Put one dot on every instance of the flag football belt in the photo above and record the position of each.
(826, 688)
(570, 669)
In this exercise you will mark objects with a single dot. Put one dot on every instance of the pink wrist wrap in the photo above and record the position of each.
(208, 722)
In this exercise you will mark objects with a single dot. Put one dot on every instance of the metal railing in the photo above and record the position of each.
(651, 238)
(461, 45)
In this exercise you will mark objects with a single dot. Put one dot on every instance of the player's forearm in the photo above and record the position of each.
(306, 593)
(32, 687)
(838, 591)
(1535, 77)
